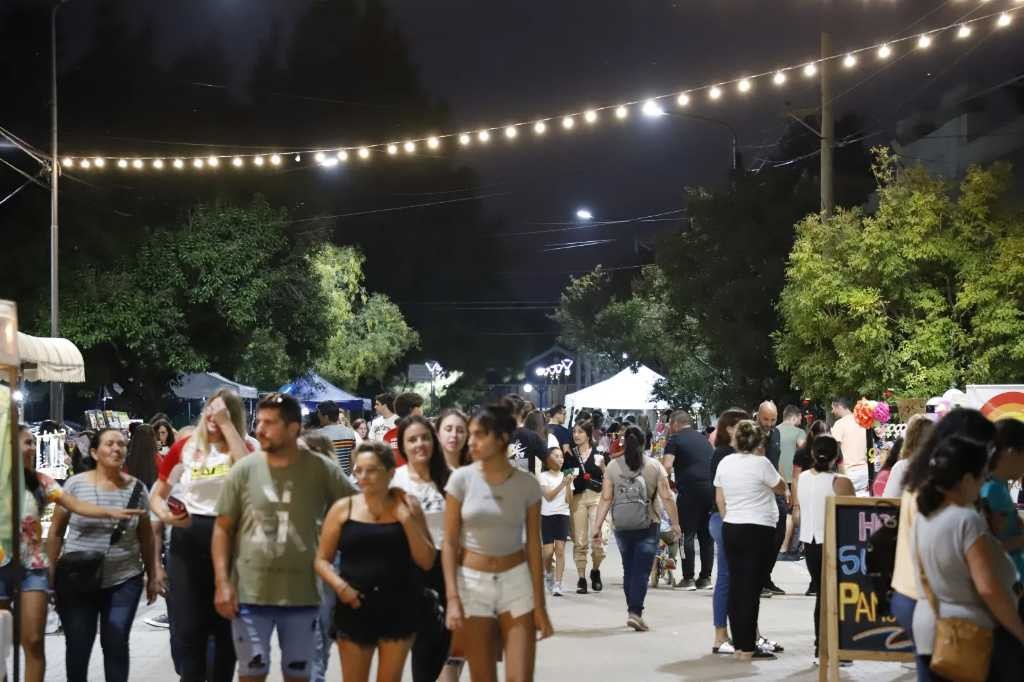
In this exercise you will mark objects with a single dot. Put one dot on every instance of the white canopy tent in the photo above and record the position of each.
(201, 386)
(46, 359)
(627, 390)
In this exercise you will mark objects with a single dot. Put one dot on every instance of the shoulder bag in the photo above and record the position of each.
(80, 573)
(962, 649)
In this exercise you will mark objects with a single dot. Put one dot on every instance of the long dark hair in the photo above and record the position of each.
(536, 422)
(170, 431)
(31, 480)
(633, 449)
(464, 457)
(726, 421)
(950, 461)
(824, 452)
(586, 427)
(894, 455)
(498, 419)
(141, 459)
(1009, 436)
(439, 471)
(960, 421)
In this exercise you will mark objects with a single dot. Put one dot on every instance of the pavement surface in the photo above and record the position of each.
(592, 642)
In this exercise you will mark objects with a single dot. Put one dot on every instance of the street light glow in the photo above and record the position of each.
(527, 388)
(584, 214)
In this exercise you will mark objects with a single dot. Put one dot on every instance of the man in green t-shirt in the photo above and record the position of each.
(791, 439)
(265, 540)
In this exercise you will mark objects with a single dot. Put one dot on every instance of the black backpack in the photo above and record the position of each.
(881, 560)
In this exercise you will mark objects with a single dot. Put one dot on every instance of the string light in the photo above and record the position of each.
(342, 155)
(158, 164)
(650, 107)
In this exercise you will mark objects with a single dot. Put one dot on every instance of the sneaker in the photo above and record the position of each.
(765, 644)
(556, 589)
(774, 589)
(595, 580)
(637, 623)
(157, 621)
(703, 584)
(725, 647)
(549, 582)
(581, 586)
(686, 584)
(52, 627)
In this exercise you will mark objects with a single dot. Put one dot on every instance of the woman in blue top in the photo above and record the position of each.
(1007, 464)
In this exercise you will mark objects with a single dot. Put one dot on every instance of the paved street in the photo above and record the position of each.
(593, 643)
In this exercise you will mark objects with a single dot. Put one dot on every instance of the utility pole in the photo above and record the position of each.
(828, 132)
(56, 388)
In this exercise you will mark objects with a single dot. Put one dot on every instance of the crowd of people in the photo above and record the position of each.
(440, 540)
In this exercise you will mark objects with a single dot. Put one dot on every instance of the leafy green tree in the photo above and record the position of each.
(926, 293)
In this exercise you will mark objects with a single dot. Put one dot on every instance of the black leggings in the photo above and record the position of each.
(190, 599)
(749, 549)
(433, 641)
(780, 535)
(695, 509)
(812, 555)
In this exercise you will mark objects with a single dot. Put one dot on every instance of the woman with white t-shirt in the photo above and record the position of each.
(556, 489)
(746, 484)
(195, 470)
(817, 485)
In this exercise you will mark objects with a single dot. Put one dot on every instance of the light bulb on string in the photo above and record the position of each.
(84, 164)
(540, 127)
(652, 109)
(298, 158)
(99, 162)
(433, 142)
(884, 52)
(590, 116)
(511, 132)
(158, 164)
(621, 112)
(178, 164)
(364, 153)
(1004, 20)
(213, 162)
(197, 163)
(964, 32)
(68, 162)
(342, 155)
(137, 164)
(330, 162)
(743, 85)
(319, 157)
(258, 161)
(683, 99)
(122, 163)
(409, 147)
(392, 149)
(715, 92)
(484, 136)
(275, 159)
(779, 78)
(810, 69)
(465, 139)
(568, 122)
(924, 42)
(849, 61)
(237, 162)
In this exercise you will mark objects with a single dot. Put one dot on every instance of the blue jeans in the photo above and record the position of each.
(115, 608)
(296, 637)
(720, 600)
(638, 549)
(322, 639)
(902, 608)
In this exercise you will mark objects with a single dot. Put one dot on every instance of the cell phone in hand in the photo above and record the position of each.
(176, 506)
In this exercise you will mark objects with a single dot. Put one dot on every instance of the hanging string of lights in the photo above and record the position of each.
(329, 157)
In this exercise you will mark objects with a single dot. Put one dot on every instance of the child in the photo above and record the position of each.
(667, 559)
(554, 518)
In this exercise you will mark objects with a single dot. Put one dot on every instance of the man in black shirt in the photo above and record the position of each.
(688, 454)
(526, 449)
(556, 427)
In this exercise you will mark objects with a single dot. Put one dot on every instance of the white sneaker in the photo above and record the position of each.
(556, 590)
(549, 583)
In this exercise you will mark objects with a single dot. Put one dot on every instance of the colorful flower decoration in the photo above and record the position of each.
(864, 413)
(882, 412)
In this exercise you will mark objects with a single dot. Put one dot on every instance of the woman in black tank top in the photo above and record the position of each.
(384, 544)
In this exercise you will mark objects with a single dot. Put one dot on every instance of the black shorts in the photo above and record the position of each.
(554, 528)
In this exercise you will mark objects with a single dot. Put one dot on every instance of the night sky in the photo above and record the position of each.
(495, 63)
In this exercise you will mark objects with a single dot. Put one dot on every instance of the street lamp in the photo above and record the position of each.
(527, 388)
(584, 214)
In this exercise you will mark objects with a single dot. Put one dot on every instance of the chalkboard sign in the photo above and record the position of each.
(856, 623)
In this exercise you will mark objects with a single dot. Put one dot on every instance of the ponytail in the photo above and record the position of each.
(824, 453)
(633, 452)
(952, 459)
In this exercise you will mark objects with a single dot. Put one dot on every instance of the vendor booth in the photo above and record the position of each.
(204, 384)
(313, 388)
(627, 390)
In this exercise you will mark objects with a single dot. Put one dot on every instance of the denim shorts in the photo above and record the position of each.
(296, 635)
(34, 580)
(487, 595)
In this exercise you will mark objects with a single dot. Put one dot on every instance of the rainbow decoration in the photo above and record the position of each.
(1008, 405)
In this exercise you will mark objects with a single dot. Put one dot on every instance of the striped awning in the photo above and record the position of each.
(46, 359)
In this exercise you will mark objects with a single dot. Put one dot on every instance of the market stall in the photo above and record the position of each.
(311, 388)
(627, 390)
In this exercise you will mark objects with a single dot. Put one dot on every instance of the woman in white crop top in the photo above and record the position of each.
(493, 576)
(815, 487)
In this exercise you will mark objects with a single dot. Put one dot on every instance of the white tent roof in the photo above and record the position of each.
(46, 359)
(627, 390)
(201, 386)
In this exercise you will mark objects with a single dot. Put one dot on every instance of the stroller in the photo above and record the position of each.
(665, 560)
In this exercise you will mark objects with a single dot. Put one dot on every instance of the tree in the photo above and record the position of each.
(926, 293)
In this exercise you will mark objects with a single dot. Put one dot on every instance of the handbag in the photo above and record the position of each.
(80, 573)
(962, 649)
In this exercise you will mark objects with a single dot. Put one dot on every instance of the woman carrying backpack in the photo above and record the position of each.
(631, 484)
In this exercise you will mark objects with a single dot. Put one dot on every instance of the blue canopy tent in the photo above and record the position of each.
(313, 388)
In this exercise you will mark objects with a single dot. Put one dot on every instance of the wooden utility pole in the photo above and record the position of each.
(828, 132)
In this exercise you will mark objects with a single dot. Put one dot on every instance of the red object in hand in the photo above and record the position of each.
(176, 506)
(586, 477)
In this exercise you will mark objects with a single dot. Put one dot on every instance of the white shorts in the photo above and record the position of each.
(486, 595)
(859, 477)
